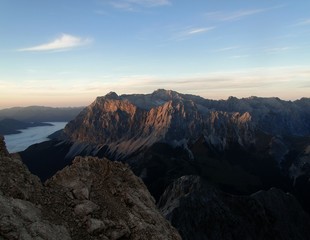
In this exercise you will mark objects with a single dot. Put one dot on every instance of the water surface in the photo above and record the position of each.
(19, 142)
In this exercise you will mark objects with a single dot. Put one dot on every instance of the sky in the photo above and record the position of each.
(68, 52)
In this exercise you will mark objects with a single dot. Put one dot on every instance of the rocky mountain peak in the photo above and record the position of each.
(111, 95)
(131, 122)
(166, 94)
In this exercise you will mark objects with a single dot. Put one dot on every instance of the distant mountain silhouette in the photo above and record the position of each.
(12, 126)
(40, 114)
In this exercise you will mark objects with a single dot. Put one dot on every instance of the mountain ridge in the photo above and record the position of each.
(159, 114)
(12, 126)
(40, 113)
(238, 146)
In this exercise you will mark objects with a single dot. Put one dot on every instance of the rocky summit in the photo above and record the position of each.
(248, 154)
(91, 199)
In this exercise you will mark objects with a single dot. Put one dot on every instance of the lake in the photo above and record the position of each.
(19, 142)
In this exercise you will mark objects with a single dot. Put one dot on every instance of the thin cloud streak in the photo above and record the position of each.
(226, 49)
(279, 49)
(224, 84)
(64, 42)
(284, 82)
(150, 3)
(237, 15)
(303, 22)
(132, 5)
(198, 30)
(233, 16)
(190, 32)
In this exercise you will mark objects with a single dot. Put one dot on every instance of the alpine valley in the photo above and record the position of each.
(218, 169)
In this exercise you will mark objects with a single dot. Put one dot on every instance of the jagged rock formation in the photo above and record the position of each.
(200, 211)
(91, 199)
(272, 115)
(240, 145)
(110, 201)
(125, 124)
(22, 213)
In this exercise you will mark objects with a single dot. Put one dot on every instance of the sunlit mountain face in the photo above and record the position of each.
(225, 154)
(238, 146)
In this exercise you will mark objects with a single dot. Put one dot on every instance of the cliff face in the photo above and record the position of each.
(241, 145)
(265, 130)
(129, 123)
(91, 199)
(126, 124)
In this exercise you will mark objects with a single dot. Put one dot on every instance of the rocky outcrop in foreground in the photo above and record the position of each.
(200, 211)
(91, 199)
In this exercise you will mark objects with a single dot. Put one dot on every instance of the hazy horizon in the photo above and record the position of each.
(76, 106)
(65, 54)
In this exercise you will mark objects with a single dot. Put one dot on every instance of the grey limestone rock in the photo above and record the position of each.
(91, 199)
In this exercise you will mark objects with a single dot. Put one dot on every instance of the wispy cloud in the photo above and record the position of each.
(226, 49)
(189, 32)
(302, 22)
(150, 3)
(276, 81)
(132, 5)
(64, 42)
(287, 82)
(198, 30)
(232, 16)
(279, 49)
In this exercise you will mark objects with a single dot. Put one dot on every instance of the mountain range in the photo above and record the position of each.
(40, 114)
(254, 147)
(12, 126)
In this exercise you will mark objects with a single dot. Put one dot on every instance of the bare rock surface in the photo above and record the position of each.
(20, 219)
(129, 123)
(110, 200)
(91, 199)
(24, 212)
(16, 180)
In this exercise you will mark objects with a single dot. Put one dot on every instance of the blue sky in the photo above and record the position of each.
(67, 52)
